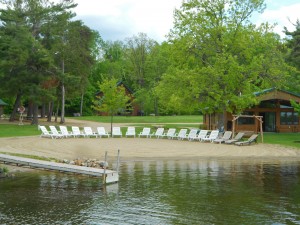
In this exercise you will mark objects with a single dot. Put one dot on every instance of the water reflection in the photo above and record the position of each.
(159, 192)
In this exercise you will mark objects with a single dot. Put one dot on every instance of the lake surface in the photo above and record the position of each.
(159, 192)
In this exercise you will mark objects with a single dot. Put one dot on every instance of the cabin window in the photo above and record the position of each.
(289, 118)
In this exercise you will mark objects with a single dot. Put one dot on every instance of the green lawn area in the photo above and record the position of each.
(145, 119)
(286, 139)
(12, 130)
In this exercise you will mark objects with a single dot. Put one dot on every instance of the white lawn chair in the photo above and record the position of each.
(212, 136)
(116, 132)
(250, 140)
(171, 133)
(145, 132)
(76, 132)
(130, 132)
(89, 132)
(202, 134)
(192, 135)
(101, 132)
(64, 131)
(55, 132)
(182, 134)
(159, 133)
(237, 138)
(226, 136)
(45, 132)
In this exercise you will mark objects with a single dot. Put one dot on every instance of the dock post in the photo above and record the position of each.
(105, 164)
(118, 161)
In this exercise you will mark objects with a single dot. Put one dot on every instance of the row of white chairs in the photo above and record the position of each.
(63, 132)
(194, 134)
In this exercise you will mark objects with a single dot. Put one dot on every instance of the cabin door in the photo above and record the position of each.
(269, 124)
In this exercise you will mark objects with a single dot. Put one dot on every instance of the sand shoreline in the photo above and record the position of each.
(141, 149)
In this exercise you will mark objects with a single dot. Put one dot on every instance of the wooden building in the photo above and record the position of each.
(274, 107)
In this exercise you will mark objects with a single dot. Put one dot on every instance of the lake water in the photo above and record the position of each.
(159, 192)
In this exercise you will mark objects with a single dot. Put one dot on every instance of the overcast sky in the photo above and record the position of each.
(120, 19)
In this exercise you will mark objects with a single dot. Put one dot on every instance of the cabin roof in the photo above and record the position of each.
(265, 91)
(274, 93)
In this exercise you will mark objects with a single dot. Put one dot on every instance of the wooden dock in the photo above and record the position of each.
(108, 176)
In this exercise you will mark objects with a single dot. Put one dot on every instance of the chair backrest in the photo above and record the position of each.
(202, 133)
(159, 131)
(88, 130)
(75, 130)
(182, 133)
(214, 134)
(253, 137)
(44, 130)
(146, 131)
(101, 130)
(53, 130)
(171, 132)
(116, 131)
(227, 135)
(130, 130)
(193, 133)
(63, 129)
(239, 136)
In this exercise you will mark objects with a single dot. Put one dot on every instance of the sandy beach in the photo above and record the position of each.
(138, 149)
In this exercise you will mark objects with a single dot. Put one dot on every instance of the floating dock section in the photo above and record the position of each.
(108, 176)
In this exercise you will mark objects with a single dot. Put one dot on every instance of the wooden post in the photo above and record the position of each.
(118, 161)
(104, 173)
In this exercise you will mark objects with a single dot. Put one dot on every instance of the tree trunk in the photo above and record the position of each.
(30, 110)
(111, 122)
(56, 113)
(16, 106)
(50, 111)
(62, 116)
(35, 120)
(81, 104)
(43, 110)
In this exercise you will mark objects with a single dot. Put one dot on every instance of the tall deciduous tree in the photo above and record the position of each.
(220, 57)
(113, 98)
(293, 56)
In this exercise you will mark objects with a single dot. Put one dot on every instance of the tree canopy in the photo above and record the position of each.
(214, 59)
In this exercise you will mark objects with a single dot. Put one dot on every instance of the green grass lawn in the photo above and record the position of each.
(145, 119)
(12, 130)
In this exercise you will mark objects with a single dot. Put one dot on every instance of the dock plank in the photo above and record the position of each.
(111, 175)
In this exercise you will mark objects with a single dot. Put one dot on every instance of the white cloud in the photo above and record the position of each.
(119, 19)
(126, 18)
(283, 16)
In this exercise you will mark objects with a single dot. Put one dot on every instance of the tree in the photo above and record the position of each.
(113, 98)
(293, 56)
(22, 25)
(220, 56)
